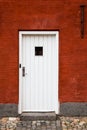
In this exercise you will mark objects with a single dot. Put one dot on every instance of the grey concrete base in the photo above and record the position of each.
(66, 109)
(73, 109)
(38, 116)
(9, 110)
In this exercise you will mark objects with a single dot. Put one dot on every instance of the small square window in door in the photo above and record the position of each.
(38, 51)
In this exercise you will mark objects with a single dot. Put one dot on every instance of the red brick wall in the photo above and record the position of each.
(63, 15)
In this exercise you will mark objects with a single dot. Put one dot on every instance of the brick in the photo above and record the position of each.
(49, 15)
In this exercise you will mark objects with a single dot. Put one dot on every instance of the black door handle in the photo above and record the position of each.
(23, 71)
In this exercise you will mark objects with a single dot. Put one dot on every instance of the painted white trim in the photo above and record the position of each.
(20, 74)
(21, 33)
(38, 32)
(57, 42)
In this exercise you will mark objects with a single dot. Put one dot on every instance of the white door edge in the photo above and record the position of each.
(21, 33)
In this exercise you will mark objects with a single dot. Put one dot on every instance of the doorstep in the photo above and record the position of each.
(38, 116)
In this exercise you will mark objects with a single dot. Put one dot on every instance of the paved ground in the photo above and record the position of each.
(39, 125)
(67, 123)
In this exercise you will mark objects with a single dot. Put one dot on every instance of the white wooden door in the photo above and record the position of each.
(39, 70)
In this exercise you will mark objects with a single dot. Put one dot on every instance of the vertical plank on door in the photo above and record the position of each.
(23, 80)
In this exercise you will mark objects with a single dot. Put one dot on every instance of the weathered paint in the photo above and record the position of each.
(44, 15)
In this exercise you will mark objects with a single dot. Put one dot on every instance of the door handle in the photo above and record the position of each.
(23, 71)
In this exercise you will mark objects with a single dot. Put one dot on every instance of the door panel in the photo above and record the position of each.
(40, 83)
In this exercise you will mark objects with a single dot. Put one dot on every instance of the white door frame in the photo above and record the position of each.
(20, 62)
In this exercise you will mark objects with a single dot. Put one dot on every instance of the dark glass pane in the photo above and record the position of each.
(38, 51)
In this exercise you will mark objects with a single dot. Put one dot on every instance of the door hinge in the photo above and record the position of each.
(19, 65)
